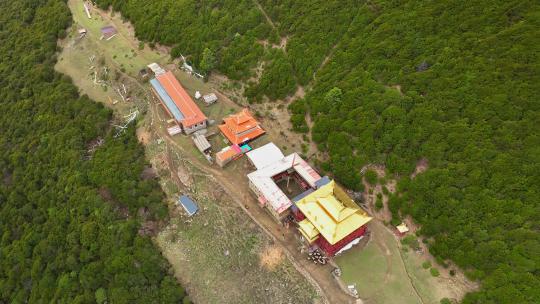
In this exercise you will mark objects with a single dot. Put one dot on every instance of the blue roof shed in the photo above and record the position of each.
(188, 204)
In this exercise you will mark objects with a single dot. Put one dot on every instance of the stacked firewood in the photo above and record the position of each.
(317, 257)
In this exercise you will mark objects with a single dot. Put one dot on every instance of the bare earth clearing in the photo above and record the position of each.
(221, 255)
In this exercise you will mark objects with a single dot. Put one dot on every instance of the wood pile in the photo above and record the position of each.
(317, 257)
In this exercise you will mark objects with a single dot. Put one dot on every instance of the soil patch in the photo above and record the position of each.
(271, 257)
(144, 136)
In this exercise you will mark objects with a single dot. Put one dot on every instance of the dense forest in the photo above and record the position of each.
(456, 83)
(69, 218)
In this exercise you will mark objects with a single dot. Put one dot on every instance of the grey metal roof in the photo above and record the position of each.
(321, 182)
(201, 142)
(210, 98)
(303, 194)
(169, 103)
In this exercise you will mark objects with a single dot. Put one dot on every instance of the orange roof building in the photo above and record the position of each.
(227, 154)
(241, 127)
(193, 118)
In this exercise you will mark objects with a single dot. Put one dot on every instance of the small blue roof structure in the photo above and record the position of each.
(188, 204)
(245, 148)
(321, 182)
(166, 99)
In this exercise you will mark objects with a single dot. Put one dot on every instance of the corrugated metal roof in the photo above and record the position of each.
(166, 99)
(302, 195)
(188, 204)
(321, 182)
(192, 114)
(210, 98)
(201, 142)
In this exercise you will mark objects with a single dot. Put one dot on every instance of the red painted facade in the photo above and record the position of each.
(331, 250)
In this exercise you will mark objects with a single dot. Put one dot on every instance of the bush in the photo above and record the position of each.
(378, 204)
(434, 272)
(445, 301)
(395, 221)
(426, 265)
(371, 177)
(452, 272)
(409, 240)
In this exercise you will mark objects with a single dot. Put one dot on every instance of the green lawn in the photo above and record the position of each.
(379, 278)
(385, 273)
(122, 50)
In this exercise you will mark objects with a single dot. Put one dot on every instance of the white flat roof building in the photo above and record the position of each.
(265, 155)
(270, 162)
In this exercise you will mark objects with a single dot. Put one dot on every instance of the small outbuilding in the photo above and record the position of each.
(188, 204)
(201, 143)
(107, 32)
(402, 229)
(156, 69)
(228, 154)
(210, 98)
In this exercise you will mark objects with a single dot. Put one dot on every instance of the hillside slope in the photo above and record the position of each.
(392, 82)
(68, 223)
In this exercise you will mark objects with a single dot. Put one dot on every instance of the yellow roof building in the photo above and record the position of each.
(331, 213)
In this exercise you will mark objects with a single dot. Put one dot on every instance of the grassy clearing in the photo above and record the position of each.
(220, 255)
(122, 49)
(377, 271)
(385, 272)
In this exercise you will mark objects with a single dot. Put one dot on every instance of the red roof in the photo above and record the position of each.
(241, 127)
(192, 114)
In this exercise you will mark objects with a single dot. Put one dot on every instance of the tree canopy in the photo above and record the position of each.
(454, 82)
(68, 220)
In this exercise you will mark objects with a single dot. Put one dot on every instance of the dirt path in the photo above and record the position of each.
(318, 275)
(270, 22)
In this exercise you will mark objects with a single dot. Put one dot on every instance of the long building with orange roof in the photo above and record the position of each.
(241, 127)
(178, 103)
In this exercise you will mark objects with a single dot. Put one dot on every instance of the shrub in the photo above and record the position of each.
(426, 265)
(409, 240)
(395, 221)
(445, 301)
(378, 204)
(371, 177)
(434, 272)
